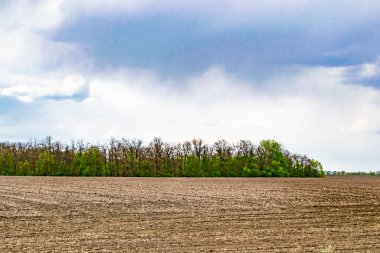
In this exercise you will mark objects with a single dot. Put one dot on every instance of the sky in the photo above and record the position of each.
(305, 73)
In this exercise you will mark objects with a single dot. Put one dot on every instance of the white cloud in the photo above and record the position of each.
(31, 64)
(31, 15)
(27, 88)
(26, 51)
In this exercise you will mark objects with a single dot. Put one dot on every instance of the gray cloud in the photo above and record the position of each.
(366, 73)
(250, 38)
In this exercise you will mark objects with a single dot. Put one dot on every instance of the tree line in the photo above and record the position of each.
(352, 173)
(130, 157)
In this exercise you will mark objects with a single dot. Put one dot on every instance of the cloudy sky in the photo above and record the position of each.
(303, 72)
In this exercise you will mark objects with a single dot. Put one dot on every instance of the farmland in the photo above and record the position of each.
(55, 214)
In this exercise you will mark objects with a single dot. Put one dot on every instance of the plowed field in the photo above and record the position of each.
(49, 214)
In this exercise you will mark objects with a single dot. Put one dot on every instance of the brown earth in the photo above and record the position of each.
(50, 214)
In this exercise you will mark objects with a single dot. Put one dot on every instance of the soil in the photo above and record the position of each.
(58, 214)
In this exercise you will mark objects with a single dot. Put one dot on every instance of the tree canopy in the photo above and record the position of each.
(130, 157)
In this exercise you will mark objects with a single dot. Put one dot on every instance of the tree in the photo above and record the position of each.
(7, 163)
(45, 163)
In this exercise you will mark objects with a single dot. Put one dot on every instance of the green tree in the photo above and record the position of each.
(45, 164)
(7, 163)
(272, 159)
